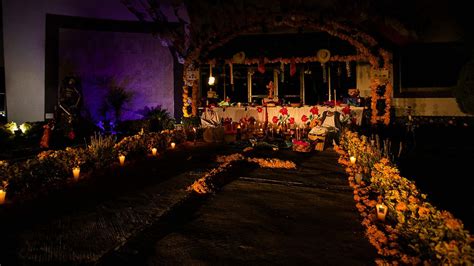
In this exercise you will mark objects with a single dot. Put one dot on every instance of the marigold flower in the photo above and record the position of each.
(422, 211)
(401, 206)
(453, 224)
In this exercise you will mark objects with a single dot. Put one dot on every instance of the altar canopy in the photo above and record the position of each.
(236, 113)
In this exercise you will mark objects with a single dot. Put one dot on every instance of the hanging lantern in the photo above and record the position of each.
(212, 79)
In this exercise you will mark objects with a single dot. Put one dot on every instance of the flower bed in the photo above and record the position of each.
(53, 169)
(414, 231)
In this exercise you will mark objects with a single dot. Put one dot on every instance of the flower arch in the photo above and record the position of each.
(366, 46)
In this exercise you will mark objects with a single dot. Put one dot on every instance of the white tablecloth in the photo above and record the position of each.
(236, 113)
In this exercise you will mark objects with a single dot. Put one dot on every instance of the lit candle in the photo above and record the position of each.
(239, 104)
(76, 171)
(238, 126)
(122, 159)
(353, 159)
(3, 194)
(381, 211)
(173, 145)
(358, 178)
(154, 151)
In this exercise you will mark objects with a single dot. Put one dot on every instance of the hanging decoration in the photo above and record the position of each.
(238, 58)
(195, 98)
(185, 101)
(292, 67)
(348, 69)
(212, 79)
(261, 65)
(323, 66)
(323, 56)
(231, 69)
(282, 70)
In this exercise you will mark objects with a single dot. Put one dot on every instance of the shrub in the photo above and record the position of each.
(102, 150)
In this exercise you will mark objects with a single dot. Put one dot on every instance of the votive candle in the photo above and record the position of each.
(76, 171)
(122, 159)
(154, 151)
(3, 195)
(353, 159)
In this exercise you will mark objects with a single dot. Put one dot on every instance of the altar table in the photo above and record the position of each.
(236, 113)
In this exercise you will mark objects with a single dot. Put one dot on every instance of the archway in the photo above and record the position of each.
(366, 46)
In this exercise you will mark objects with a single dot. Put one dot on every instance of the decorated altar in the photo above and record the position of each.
(299, 114)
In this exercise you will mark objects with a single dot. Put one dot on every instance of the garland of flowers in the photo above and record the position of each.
(204, 185)
(272, 163)
(415, 231)
(185, 101)
(298, 60)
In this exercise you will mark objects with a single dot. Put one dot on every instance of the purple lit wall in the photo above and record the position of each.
(137, 60)
(24, 23)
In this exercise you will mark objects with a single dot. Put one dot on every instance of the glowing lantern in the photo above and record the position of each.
(76, 171)
(3, 194)
(122, 159)
(353, 159)
(381, 211)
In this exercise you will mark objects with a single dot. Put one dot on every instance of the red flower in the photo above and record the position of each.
(292, 120)
(259, 109)
(314, 110)
(304, 118)
(346, 110)
(275, 119)
(284, 111)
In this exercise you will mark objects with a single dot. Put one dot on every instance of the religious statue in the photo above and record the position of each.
(271, 100)
(270, 88)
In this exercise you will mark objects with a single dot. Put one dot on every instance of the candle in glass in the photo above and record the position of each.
(154, 151)
(173, 145)
(353, 159)
(381, 211)
(122, 159)
(3, 195)
(76, 171)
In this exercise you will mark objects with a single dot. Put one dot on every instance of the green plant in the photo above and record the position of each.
(116, 97)
(160, 119)
(102, 150)
(190, 122)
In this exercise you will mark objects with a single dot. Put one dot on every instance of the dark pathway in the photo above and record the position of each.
(266, 216)
(81, 223)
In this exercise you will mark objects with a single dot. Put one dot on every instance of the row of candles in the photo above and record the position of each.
(76, 171)
(380, 208)
(299, 132)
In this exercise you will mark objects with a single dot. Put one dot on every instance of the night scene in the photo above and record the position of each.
(236, 132)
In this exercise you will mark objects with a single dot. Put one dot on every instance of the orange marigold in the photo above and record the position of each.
(453, 224)
(401, 206)
(422, 211)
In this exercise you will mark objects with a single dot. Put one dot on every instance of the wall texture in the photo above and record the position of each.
(136, 60)
(24, 45)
